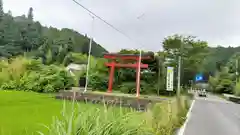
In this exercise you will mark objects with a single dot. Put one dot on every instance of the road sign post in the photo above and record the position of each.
(170, 72)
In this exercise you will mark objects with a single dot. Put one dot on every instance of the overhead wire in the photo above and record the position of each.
(109, 24)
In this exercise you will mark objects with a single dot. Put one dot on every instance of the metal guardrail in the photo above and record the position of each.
(232, 98)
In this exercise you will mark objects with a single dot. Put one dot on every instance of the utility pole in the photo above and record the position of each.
(236, 70)
(89, 54)
(179, 75)
(138, 74)
(159, 73)
(179, 70)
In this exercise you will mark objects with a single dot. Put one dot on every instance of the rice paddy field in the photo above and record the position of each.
(28, 113)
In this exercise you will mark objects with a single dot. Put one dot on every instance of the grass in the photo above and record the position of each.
(26, 113)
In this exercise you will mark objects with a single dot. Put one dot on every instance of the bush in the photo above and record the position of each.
(225, 86)
(213, 82)
(222, 83)
(31, 75)
(145, 88)
(98, 81)
(128, 87)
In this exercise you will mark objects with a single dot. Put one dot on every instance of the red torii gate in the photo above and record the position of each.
(113, 64)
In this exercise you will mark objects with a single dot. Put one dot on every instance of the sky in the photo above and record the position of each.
(146, 22)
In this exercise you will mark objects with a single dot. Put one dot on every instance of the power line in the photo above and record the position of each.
(112, 26)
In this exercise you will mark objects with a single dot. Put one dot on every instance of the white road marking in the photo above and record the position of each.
(182, 129)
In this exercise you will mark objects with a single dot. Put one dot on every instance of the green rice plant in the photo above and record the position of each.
(30, 110)
(161, 119)
(98, 121)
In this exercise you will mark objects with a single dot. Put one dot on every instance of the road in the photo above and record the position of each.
(213, 116)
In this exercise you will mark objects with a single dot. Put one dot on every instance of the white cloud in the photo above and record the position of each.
(217, 21)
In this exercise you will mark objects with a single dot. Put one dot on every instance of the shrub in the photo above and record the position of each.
(98, 81)
(225, 86)
(128, 87)
(31, 75)
(222, 83)
(213, 82)
(145, 88)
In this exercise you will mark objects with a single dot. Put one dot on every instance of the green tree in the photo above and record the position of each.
(222, 82)
(1, 10)
(85, 48)
(215, 55)
(30, 14)
(191, 50)
(21, 35)
(233, 62)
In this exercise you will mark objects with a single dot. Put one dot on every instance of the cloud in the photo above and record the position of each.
(146, 21)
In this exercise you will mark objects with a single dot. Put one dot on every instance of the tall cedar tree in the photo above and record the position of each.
(1, 10)
(30, 13)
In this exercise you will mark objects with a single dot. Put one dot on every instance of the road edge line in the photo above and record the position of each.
(182, 129)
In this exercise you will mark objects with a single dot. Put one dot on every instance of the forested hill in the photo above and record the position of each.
(21, 35)
(219, 54)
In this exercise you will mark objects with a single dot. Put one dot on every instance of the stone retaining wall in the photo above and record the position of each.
(108, 99)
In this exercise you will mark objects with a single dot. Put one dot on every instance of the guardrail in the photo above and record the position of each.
(232, 98)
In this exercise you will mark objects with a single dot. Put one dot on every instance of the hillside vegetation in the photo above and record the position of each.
(218, 55)
(22, 35)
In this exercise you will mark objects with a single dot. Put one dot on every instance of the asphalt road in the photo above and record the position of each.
(213, 116)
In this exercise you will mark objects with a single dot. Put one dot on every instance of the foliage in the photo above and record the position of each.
(128, 87)
(213, 82)
(222, 82)
(233, 65)
(22, 34)
(219, 54)
(225, 68)
(98, 81)
(125, 78)
(32, 75)
(191, 50)
(152, 79)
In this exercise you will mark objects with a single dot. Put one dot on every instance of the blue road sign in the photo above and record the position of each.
(198, 77)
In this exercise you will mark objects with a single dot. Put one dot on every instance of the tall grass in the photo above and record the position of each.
(162, 119)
